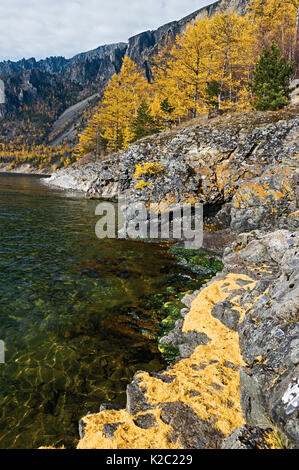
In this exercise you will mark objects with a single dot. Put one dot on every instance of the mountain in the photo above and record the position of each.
(39, 92)
(109, 53)
(143, 46)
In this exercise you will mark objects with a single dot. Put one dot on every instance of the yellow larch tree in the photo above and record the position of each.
(276, 21)
(112, 121)
(192, 57)
(181, 74)
(89, 139)
(218, 51)
(166, 86)
(233, 57)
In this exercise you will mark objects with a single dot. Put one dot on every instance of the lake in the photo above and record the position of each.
(79, 316)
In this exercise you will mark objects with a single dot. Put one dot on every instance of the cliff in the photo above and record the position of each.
(143, 46)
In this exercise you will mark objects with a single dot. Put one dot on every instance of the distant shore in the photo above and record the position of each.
(27, 169)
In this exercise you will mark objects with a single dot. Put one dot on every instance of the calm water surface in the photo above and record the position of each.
(75, 312)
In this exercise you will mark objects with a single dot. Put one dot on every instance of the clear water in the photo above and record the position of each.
(75, 312)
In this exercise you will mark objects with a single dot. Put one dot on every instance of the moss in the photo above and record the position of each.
(172, 310)
(169, 352)
(203, 266)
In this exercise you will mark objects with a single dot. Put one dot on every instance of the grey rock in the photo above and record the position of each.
(82, 426)
(224, 312)
(136, 401)
(185, 342)
(110, 406)
(109, 429)
(146, 421)
(188, 428)
(245, 438)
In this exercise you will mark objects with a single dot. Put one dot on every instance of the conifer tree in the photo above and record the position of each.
(212, 93)
(166, 107)
(167, 110)
(144, 123)
(271, 80)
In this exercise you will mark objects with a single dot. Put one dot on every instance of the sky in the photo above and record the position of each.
(43, 28)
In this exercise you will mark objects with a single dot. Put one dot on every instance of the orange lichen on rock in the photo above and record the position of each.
(261, 193)
(208, 381)
(127, 434)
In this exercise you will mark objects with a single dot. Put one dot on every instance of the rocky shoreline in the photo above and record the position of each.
(26, 170)
(242, 167)
(236, 383)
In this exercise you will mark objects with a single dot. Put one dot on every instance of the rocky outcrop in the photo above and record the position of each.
(242, 167)
(193, 404)
(237, 389)
(269, 333)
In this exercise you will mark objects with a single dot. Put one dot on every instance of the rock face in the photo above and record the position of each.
(243, 168)
(269, 333)
(31, 85)
(81, 68)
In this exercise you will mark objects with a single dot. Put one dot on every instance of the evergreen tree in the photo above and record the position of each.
(166, 107)
(212, 92)
(167, 111)
(271, 80)
(144, 123)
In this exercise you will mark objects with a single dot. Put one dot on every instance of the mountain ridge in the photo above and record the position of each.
(88, 71)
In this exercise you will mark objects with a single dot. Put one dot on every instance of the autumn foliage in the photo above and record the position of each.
(215, 66)
(210, 67)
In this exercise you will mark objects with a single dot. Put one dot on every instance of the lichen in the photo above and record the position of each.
(143, 185)
(151, 168)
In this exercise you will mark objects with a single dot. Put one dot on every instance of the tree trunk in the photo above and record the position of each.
(296, 46)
